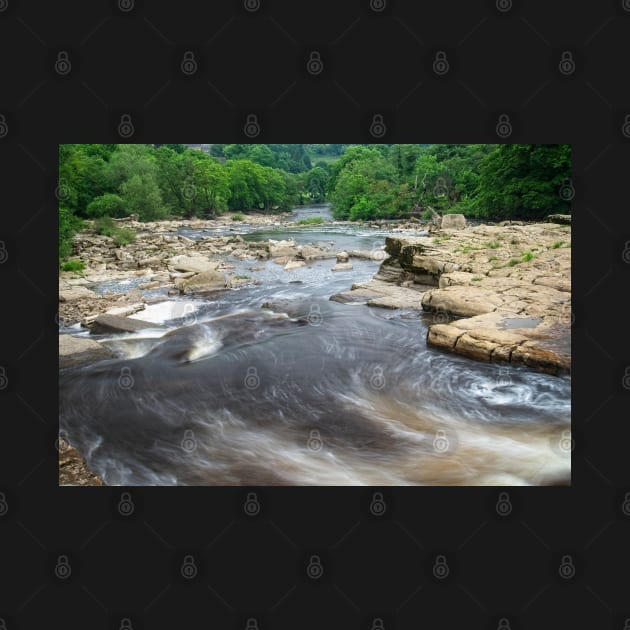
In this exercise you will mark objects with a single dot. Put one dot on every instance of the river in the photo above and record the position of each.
(309, 392)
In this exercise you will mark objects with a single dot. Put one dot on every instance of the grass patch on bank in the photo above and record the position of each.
(238, 216)
(73, 265)
(241, 277)
(558, 245)
(311, 221)
(494, 245)
(123, 236)
(527, 256)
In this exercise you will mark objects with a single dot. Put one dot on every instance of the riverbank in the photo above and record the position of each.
(497, 293)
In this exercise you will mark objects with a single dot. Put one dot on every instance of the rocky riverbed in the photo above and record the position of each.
(496, 293)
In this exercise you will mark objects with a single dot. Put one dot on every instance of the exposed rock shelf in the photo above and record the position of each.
(500, 293)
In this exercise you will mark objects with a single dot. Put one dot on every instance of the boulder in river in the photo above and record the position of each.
(106, 324)
(453, 222)
(342, 266)
(294, 264)
(196, 264)
(77, 350)
(203, 282)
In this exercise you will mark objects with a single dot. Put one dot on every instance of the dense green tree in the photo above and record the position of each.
(107, 205)
(141, 196)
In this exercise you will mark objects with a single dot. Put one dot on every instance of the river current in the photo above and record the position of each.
(307, 391)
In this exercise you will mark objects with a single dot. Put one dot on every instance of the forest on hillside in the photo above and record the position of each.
(363, 182)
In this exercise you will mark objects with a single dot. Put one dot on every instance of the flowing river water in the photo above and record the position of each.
(309, 391)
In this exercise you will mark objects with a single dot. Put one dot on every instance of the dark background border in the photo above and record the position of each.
(376, 59)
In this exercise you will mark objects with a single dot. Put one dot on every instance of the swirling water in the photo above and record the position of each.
(310, 392)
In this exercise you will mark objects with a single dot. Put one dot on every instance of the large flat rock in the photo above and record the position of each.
(78, 350)
(106, 324)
